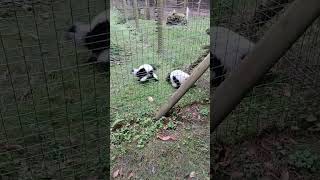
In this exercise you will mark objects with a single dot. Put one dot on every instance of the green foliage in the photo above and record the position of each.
(140, 132)
(171, 125)
(204, 111)
(304, 159)
(117, 17)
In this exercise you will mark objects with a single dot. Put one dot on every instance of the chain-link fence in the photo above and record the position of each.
(287, 97)
(53, 104)
(182, 46)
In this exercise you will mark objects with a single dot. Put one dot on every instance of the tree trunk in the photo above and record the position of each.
(135, 13)
(124, 6)
(160, 26)
(199, 7)
(147, 9)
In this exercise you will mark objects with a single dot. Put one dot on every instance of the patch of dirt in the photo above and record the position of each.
(187, 153)
(192, 114)
(265, 157)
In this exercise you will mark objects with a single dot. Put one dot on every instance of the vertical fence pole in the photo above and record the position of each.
(199, 6)
(124, 6)
(147, 9)
(136, 14)
(185, 4)
(160, 26)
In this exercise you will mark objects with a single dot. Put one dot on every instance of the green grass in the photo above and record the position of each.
(131, 48)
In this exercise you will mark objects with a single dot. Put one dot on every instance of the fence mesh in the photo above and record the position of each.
(290, 96)
(133, 103)
(53, 105)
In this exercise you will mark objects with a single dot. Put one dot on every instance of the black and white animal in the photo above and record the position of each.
(228, 49)
(94, 36)
(145, 72)
(177, 78)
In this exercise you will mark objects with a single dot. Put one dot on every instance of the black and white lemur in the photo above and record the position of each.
(145, 72)
(227, 50)
(94, 36)
(177, 77)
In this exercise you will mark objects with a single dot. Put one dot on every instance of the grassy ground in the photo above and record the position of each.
(177, 159)
(135, 148)
(129, 99)
(272, 155)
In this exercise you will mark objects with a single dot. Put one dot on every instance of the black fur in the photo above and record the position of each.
(72, 29)
(175, 80)
(168, 77)
(102, 66)
(92, 59)
(141, 73)
(218, 69)
(97, 40)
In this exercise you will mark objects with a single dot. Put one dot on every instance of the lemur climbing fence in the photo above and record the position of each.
(131, 46)
(53, 105)
(290, 98)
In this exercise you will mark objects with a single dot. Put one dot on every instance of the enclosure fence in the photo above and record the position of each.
(53, 105)
(280, 102)
(183, 47)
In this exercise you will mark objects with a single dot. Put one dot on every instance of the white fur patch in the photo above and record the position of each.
(144, 78)
(101, 17)
(155, 76)
(179, 75)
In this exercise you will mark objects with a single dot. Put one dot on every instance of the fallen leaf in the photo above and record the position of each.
(150, 99)
(131, 174)
(268, 165)
(236, 174)
(224, 163)
(192, 174)
(116, 173)
(311, 118)
(287, 91)
(153, 170)
(252, 150)
(120, 172)
(295, 128)
(166, 138)
(12, 147)
(314, 129)
(284, 175)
